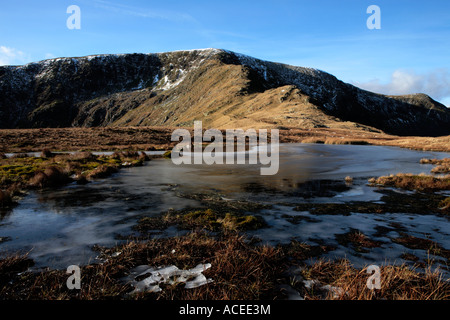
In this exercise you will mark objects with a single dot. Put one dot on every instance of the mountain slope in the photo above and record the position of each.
(222, 88)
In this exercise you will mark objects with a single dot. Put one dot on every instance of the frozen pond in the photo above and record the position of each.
(60, 227)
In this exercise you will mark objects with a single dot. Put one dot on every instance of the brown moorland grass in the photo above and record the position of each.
(358, 240)
(53, 170)
(52, 176)
(159, 138)
(420, 143)
(441, 169)
(435, 161)
(239, 270)
(93, 139)
(397, 282)
(208, 219)
(442, 165)
(407, 181)
(358, 136)
(102, 171)
(428, 245)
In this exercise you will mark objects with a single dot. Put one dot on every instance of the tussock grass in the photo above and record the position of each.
(52, 176)
(441, 169)
(203, 219)
(103, 171)
(397, 282)
(348, 180)
(407, 181)
(53, 170)
(359, 241)
(434, 161)
(239, 271)
(428, 245)
(442, 165)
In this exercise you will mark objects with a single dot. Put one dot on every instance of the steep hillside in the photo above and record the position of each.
(222, 88)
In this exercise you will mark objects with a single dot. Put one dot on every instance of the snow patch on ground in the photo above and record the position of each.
(172, 84)
(192, 278)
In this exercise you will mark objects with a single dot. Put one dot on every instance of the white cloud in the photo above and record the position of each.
(9, 56)
(435, 83)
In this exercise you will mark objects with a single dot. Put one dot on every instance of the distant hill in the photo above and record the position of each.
(222, 88)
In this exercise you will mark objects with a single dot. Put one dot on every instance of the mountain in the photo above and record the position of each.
(222, 88)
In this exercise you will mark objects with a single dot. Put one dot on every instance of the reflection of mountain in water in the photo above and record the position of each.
(62, 225)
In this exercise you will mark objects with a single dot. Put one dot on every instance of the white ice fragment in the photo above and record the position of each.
(196, 282)
(200, 268)
(335, 291)
(192, 278)
(310, 283)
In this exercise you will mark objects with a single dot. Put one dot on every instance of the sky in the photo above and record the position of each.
(410, 53)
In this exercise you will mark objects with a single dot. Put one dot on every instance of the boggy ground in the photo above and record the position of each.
(241, 267)
(239, 270)
(22, 172)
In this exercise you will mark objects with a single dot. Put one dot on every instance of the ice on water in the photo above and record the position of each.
(192, 278)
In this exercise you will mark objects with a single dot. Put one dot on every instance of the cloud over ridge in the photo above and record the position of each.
(435, 83)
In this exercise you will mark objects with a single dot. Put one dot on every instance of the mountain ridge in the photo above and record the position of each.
(220, 87)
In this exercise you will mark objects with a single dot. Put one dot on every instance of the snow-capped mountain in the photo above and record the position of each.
(220, 87)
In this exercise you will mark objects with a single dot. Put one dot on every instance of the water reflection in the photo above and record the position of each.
(61, 226)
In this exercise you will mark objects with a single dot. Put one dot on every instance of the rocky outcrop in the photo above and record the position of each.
(222, 88)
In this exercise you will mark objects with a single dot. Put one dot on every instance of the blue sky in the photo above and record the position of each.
(410, 53)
